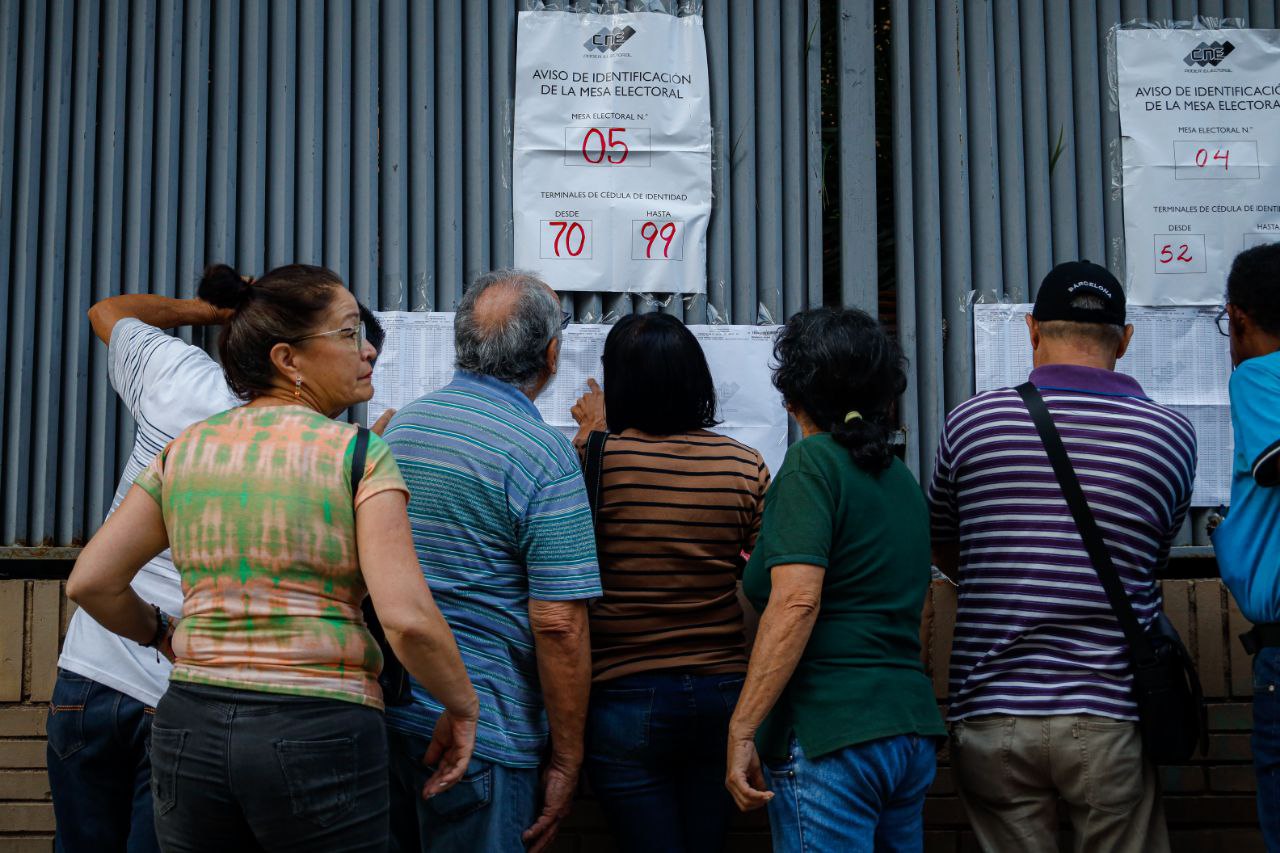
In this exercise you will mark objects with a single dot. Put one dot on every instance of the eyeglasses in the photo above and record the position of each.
(354, 334)
(565, 319)
(1223, 322)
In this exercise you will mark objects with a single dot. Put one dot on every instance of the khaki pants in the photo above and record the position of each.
(1011, 771)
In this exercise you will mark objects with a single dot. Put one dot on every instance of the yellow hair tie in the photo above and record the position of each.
(853, 416)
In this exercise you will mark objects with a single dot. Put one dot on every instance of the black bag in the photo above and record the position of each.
(593, 468)
(1166, 688)
(394, 679)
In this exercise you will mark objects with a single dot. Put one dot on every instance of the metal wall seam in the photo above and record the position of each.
(337, 136)
(953, 156)
(720, 225)
(1087, 118)
(281, 147)
(393, 159)
(859, 282)
(190, 238)
(1109, 142)
(364, 153)
(1262, 14)
(23, 274)
(220, 241)
(1013, 220)
(422, 157)
(502, 64)
(793, 269)
(769, 209)
(742, 161)
(251, 178)
(308, 155)
(985, 215)
(814, 165)
(900, 82)
(450, 137)
(1035, 142)
(927, 225)
(48, 364)
(166, 124)
(72, 446)
(10, 32)
(474, 77)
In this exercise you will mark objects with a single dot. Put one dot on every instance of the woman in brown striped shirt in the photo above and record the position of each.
(676, 506)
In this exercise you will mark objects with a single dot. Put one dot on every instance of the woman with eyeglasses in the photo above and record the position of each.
(271, 733)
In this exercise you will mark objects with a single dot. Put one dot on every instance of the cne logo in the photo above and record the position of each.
(609, 39)
(1209, 54)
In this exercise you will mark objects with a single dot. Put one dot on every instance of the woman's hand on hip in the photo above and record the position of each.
(449, 752)
(744, 776)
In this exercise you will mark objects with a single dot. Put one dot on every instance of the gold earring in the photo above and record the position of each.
(297, 387)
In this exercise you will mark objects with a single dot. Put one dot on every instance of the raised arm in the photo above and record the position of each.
(163, 312)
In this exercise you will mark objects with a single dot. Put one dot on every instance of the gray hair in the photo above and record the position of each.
(1094, 335)
(513, 349)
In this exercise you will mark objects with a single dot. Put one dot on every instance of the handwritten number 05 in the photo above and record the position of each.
(566, 231)
(650, 232)
(606, 149)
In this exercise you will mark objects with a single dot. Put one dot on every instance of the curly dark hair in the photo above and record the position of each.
(1253, 285)
(829, 362)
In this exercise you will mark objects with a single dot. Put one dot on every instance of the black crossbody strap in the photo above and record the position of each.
(593, 468)
(357, 459)
(1139, 645)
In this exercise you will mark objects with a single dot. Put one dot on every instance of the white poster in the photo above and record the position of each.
(1200, 121)
(612, 151)
(1177, 356)
(418, 356)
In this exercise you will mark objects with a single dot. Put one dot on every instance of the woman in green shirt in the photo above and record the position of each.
(836, 701)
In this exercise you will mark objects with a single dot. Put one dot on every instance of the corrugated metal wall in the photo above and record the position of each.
(1005, 162)
(141, 140)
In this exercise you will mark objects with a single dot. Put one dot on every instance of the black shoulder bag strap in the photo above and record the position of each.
(593, 468)
(358, 454)
(1139, 644)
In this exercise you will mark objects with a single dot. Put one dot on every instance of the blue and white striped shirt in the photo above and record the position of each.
(499, 515)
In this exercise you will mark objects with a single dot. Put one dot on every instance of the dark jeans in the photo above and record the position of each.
(486, 811)
(242, 770)
(1266, 742)
(655, 753)
(99, 769)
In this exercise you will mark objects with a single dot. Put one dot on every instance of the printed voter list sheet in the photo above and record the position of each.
(1200, 127)
(1177, 355)
(611, 164)
(418, 357)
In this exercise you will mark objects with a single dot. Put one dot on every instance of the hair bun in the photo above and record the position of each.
(223, 287)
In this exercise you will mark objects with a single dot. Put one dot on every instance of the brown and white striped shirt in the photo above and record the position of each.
(676, 514)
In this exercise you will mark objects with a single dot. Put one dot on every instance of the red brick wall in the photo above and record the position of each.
(1209, 801)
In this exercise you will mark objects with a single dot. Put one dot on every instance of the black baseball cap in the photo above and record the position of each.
(1080, 278)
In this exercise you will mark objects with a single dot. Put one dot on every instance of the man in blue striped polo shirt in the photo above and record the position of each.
(1041, 701)
(503, 531)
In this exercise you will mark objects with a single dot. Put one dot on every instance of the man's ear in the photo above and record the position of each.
(1033, 332)
(1125, 340)
(284, 359)
(553, 355)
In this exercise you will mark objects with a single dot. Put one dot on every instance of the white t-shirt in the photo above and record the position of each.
(167, 385)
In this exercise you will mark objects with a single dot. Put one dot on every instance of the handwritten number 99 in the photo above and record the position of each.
(649, 232)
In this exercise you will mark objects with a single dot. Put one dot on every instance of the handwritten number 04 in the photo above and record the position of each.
(650, 232)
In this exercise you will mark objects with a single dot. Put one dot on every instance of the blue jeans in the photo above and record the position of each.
(865, 797)
(488, 810)
(99, 768)
(655, 753)
(1266, 742)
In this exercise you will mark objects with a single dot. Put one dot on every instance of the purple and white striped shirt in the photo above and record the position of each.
(1034, 633)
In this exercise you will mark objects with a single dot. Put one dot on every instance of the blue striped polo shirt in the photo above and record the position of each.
(1035, 634)
(499, 515)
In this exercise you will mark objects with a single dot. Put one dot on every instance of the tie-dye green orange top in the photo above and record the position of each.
(258, 506)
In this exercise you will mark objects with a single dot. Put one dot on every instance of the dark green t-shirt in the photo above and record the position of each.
(860, 677)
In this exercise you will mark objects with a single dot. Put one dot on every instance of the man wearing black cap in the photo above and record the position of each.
(1041, 703)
